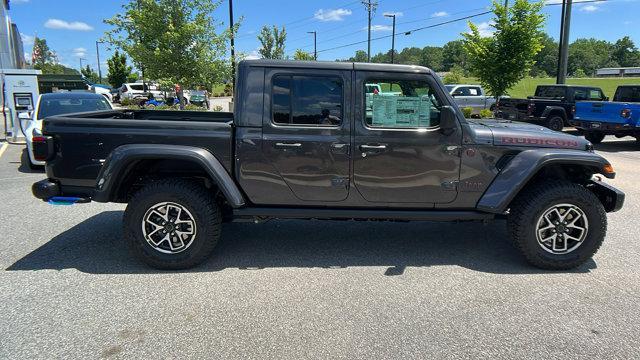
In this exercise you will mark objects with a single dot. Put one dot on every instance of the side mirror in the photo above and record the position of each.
(448, 120)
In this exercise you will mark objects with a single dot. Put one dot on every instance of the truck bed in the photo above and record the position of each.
(84, 141)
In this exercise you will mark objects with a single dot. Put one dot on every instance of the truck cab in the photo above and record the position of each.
(314, 140)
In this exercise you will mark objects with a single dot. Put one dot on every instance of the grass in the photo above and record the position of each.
(527, 87)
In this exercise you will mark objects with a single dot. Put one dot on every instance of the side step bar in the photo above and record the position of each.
(359, 214)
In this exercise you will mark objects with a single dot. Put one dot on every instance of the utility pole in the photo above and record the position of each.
(233, 49)
(81, 64)
(565, 31)
(371, 8)
(393, 36)
(98, 57)
(315, 48)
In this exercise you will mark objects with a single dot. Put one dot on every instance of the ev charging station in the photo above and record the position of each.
(20, 93)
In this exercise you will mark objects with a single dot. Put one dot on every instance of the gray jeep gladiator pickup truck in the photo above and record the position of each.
(307, 141)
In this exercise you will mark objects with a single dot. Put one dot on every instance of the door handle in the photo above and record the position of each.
(287, 145)
(372, 147)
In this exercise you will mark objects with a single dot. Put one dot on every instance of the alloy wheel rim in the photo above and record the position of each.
(169, 227)
(562, 228)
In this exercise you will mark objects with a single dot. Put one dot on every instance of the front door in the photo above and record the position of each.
(306, 136)
(400, 154)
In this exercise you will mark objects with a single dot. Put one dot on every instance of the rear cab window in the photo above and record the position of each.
(402, 104)
(555, 92)
(627, 94)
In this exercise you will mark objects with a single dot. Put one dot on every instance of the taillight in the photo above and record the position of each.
(573, 110)
(42, 148)
(39, 139)
(530, 108)
(626, 113)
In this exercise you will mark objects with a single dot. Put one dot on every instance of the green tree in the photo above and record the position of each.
(42, 54)
(408, 56)
(546, 61)
(119, 71)
(432, 57)
(172, 40)
(89, 74)
(272, 42)
(57, 69)
(360, 56)
(453, 53)
(590, 55)
(625, 53)
(501, 61)
(454, 76)
(302, 55)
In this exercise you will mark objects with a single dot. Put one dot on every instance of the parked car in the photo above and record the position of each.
(102, 90)
(472, 96)
(198, 98)
(56, 104)
(137, 91)
(552, 106)
(596, 119)
(301, 146)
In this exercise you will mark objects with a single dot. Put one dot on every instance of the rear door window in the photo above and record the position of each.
(307, 100)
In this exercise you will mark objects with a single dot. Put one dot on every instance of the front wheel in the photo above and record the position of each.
(557, 225)
(172, 224)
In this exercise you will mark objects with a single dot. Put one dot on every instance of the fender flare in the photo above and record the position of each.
(517, 173)
(117, 162)
(549, 109)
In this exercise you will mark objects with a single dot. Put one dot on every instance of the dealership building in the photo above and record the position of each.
(618, 72)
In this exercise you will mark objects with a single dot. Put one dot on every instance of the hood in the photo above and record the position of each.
(510, 133)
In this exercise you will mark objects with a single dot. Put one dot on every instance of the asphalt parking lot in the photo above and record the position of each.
(292, 289)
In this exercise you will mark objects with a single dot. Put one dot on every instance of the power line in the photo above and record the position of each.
(409, 32)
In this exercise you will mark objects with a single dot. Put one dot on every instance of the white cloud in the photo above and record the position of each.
(440, 14)
(396, 13)
(331, 14)
(79, 52)
(19, 1)
(379, 28)
(628, 22)
(254, 55)
(26, 39)
(65, 25)
(486, 29)
(589, 8)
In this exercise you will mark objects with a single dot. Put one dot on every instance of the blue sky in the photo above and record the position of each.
(71, 27)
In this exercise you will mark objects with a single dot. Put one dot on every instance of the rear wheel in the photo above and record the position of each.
(555, 123)
(594, 136)
(557, 225)
(172, 224)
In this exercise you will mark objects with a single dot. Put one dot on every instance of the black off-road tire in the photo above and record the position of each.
(529, 206)
(594, 137)
(201, 205)
(555, 123)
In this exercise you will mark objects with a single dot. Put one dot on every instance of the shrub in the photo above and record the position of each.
(127, 102)
(467, 112)
(217, 108)
(486, 114)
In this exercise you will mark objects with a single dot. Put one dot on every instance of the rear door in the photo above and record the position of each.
(400, 154)
(306, 136)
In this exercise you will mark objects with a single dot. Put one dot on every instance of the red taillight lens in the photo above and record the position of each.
(626, 113)
(39, 139)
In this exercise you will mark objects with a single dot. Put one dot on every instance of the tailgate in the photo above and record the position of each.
(601, 111)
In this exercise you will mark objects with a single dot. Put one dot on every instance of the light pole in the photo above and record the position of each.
(81, 64)
(393, 36)
(565, 28)
(233, 49)
(315, 49)
(98, 58)
(371, 7)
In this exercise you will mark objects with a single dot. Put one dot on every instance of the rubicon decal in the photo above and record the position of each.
(538, 141)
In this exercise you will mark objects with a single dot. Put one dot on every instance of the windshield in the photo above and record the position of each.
(53, 107)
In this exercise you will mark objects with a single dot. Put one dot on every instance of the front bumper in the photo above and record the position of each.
(611, 198)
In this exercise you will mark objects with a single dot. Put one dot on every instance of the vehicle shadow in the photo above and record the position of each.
(96, 246)
(628, 144)
(24, 168)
